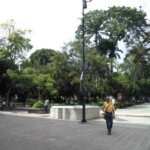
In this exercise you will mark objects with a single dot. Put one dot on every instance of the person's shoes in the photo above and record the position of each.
(109, 133)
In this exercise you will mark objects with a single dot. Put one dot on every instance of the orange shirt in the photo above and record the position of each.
(109, 107)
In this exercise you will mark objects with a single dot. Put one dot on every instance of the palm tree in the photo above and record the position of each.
(139, 57)
(109, 49)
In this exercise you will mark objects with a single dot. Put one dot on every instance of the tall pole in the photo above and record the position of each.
(83, 65)
(84, 6)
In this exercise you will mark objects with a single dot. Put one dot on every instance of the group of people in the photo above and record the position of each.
(109, 111)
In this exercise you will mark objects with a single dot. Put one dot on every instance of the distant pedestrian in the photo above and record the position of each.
(109, 110)
(12, 103)
(46, 105)
(3, 104)
(112, 100)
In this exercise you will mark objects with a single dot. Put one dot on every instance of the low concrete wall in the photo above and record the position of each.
(74, 112)
(36, 110)
(4, 108)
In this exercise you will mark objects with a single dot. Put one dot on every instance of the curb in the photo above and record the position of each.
(132, 115)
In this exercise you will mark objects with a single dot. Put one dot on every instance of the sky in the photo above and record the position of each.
(54, 22)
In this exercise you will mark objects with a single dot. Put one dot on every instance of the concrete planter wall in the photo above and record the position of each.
(36, 110)
(6, 108)
(74, 112)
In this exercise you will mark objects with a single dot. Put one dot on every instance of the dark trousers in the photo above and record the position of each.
(46, 109)
(109, 121)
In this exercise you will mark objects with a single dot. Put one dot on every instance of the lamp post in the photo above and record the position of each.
(84, 6)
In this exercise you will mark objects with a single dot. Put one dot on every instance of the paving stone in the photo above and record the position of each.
(26, 133)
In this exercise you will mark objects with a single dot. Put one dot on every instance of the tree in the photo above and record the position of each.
(13, 44)
(15, 41)
(60, 69)
(41, 57)
(104, 29)
(96, 73)
(41, 85)
(45, 85)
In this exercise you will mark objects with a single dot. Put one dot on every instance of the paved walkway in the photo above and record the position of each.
(142, 110)
(139, 114)
(38, 132)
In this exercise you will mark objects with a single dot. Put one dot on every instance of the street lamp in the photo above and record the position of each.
(84, 6)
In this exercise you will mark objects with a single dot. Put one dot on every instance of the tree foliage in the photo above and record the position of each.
(51, 74)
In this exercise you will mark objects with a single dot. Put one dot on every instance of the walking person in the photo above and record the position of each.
(12, 104)
(109, 110)
(46, 104)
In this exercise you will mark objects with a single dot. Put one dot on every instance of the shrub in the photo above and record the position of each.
(38, 104)
(30, 102)
(101, 103)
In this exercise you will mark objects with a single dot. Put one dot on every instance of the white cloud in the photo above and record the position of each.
(54, 22)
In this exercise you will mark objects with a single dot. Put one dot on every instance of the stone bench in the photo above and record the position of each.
(74, 112)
